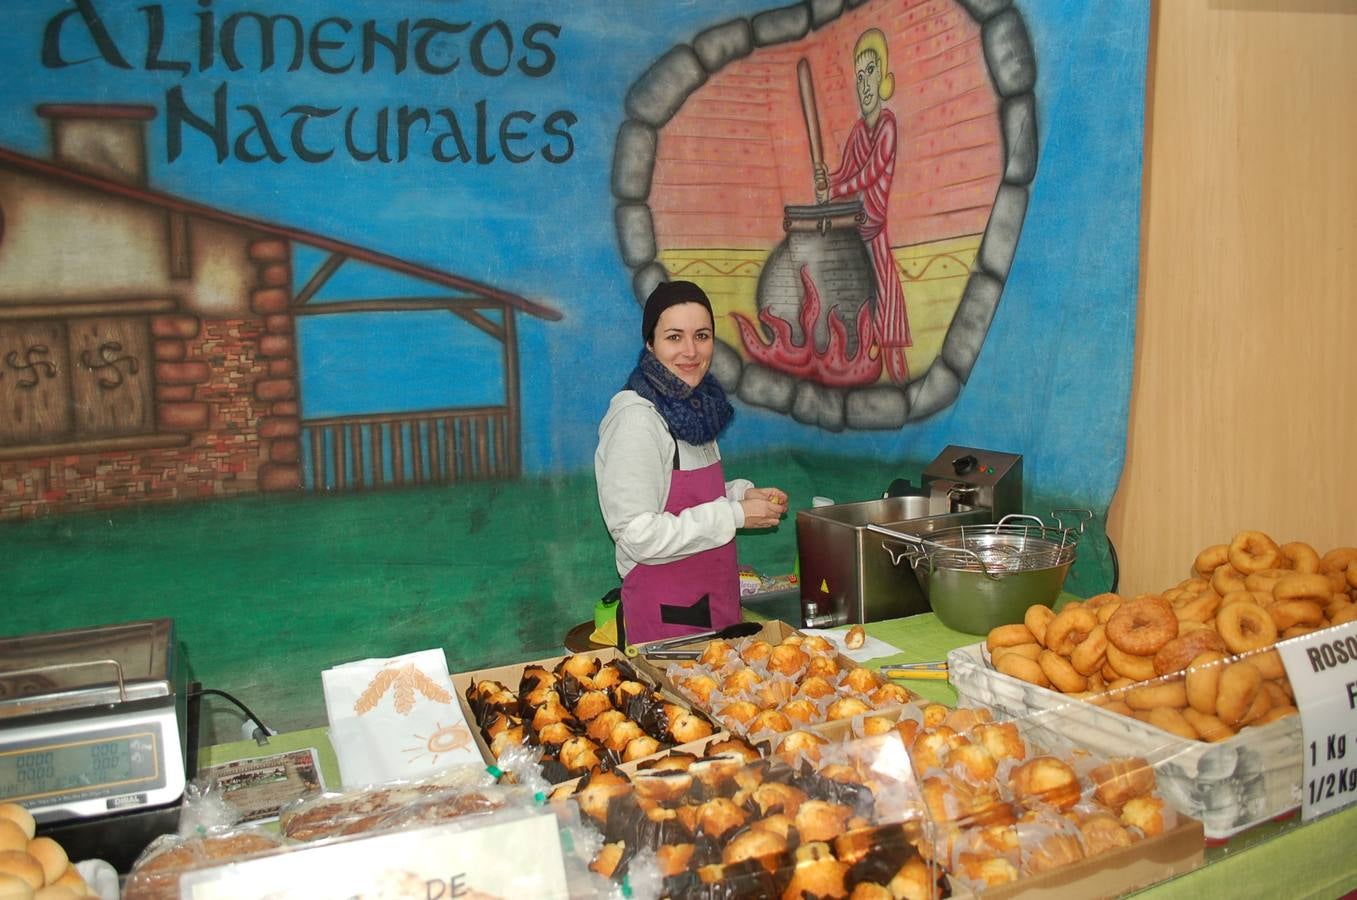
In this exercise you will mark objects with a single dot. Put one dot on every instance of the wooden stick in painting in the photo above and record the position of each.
(817, 156)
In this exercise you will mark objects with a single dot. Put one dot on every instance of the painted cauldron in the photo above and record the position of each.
(824, 238)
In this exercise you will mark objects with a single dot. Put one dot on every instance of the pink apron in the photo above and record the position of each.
(696, 593)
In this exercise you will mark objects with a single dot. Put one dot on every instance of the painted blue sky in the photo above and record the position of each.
(1053, 381)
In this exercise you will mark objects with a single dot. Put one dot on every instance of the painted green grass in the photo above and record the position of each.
(266, 591)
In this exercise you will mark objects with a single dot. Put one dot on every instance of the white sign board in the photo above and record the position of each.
(1322, 667)
(519, 858)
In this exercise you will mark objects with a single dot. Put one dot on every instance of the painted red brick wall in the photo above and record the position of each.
(737, 153)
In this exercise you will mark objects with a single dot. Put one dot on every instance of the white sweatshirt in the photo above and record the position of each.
(632, 465)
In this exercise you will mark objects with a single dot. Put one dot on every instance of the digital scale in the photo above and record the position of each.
(94, 735)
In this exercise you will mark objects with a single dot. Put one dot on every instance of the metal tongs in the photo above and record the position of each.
(665, 649)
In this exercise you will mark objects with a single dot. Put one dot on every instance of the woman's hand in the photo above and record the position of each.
(763, 507)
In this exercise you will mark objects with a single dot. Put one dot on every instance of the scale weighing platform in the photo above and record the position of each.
(93, 737)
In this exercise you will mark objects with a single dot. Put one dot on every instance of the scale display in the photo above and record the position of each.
(78, 768)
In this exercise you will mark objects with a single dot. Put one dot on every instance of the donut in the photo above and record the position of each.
(1091, 654)
(1345, 615)
(1225, 579)
(1197, 607)
(1265, 580)
(1061, 673)
(1301, 556)
(1208, 727)
(1239, 687)
(1210, 559)
(1177, 653)
(1171, 694)
(1277, 712)
(1257, 709)
(1037, 618)
(1031, 651)
(1129, 665)
(1172, 721)
(1300, 586)
(1108, 610)
(1350, 574)
(1022, 668)
(1142, 626)
(1098, 601)
(1242, 596)
(1069, 629)
(1337, 559)
(1298, 631)
(1008, 636)
(1246, 626)
(1253, 551)
(1203, 681)
(1288, 613)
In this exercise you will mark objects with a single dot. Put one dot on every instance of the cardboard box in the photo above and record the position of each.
(1109, 874)
(512, 675)
(774, 632)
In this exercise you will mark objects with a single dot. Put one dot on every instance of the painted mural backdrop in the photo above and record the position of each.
(281, 252)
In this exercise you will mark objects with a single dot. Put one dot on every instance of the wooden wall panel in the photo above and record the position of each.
(1244, 405)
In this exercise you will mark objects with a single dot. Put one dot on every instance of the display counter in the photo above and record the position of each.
(1284, 858)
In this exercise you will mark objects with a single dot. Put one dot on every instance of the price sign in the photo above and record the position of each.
(1322, 667)
(517, 858)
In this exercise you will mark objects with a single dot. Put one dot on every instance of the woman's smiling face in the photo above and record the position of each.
(683, 341)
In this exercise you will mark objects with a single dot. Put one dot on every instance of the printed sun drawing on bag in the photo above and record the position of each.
(447, 739)
(406, 680)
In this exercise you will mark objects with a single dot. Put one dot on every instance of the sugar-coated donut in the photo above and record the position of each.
(1177, 653)
(1142, 626)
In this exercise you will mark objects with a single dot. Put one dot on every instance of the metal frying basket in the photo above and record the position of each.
(979, 576)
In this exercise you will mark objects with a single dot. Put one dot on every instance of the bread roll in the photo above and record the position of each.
(19, 816)
(50, 856)
(12, 887)
(20, 864)
(12, 837)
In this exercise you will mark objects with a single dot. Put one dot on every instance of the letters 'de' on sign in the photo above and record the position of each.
(1322, 667)
(443, 862)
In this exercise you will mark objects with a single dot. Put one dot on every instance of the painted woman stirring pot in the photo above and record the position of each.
(866, 170)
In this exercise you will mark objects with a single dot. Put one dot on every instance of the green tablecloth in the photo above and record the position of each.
(1315, 860)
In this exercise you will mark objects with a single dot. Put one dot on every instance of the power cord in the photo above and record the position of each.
(262, 729)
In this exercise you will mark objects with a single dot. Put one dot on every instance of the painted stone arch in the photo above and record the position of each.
(735, 63)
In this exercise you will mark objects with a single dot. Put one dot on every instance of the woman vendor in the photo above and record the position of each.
(670, 511)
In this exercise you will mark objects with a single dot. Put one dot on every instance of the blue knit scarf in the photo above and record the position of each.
(695, 415)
